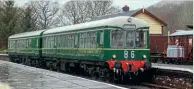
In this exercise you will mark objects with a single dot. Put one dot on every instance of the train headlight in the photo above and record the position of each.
(141, 69)
(114, 56)
(144, 56)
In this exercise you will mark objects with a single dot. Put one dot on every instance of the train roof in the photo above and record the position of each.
(116, 22)
(27, 34)
(182, 33)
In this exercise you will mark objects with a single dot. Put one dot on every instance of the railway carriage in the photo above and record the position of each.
(24, 46)
(180, 48)
(113, 49)
(119, 45)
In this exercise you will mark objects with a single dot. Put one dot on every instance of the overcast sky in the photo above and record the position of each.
(133, 4)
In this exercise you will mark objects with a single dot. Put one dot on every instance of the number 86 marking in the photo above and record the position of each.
(126, 54)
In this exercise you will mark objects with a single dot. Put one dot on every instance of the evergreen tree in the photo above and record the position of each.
(8, 20)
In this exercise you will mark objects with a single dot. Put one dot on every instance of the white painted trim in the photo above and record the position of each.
(64, 33)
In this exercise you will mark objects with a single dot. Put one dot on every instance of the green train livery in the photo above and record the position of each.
(115, 48)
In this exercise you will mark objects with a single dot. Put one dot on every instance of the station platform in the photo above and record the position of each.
(25, 77)
(3, 54)
(188, 68)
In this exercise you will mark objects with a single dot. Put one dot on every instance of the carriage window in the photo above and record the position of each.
(46, 42)
(64, 41)
(69, 41)
(140, 38)
(82, 40)
(76, 39)
(101, 37)
(58, 41)
(55, 41)
(130, 39)
(87, 40)
(29, 42)
(93, 39)
(43, 42)
(37, 42)
(52, 42)
(72, 41)
(118, 37)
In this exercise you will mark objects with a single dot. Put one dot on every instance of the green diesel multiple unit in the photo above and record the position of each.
(120, 43)
(25, 46)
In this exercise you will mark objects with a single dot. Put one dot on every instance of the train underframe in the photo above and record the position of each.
(96, 70)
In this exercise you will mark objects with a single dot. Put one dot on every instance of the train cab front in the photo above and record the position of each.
(130, 51)
(129, 67)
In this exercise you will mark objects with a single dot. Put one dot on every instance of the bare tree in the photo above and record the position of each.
(102, 7)
(76, 11)
(71, 11)
(28, 19)
(46, 12)
(62, 19)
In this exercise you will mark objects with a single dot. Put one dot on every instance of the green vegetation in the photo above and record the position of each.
(3, 51)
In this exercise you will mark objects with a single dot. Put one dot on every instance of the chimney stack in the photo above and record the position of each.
(125, 8)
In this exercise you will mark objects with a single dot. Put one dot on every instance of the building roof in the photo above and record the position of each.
(181, 33)
(27, 34)
(130, 13)
(121, 20)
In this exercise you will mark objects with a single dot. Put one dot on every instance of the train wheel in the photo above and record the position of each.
(166, 61)
(94, 74)
(36, 63)
(23, 61)
(116, 78)
(135, 79)
(11, 59)
(149, 75)
(107, 75)
(50, 66)
(58, 66)
(27, 62)
(67, 67)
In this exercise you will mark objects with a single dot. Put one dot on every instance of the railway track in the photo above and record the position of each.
(144, 85)
(174, 79)
(160, 59)
(156, 86)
